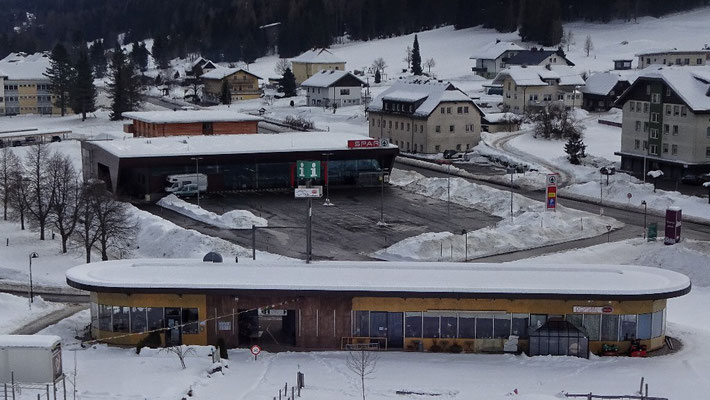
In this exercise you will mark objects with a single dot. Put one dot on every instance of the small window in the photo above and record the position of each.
(437, 149)
(390, 124)
(645, 107)
(448, 110)
(637, 144)
(668, 91)
(707, 132)
(437, 129)
(443, 110)
(610, 327)
(645, 127)
(707, 152)
(465, 110)
(654, 133)
(668, 109)
(656, 98)
(459, 110)
(655, 117)
(654, 149)
(451, 128)
(683, 111)
(676, 111)
(632, 106)
(645, 145)
(675, 130)
(699, 61)
(665, 148)
(666, 129)
(674, 149)
(638, 126)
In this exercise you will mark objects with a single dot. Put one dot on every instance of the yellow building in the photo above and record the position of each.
(26, 89)
(309, 63)
(243, 85)
(385, 305)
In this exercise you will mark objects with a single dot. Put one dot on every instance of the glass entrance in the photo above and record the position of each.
(173, 335)
(395, 339)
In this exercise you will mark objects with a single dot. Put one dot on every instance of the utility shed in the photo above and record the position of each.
(32, 358)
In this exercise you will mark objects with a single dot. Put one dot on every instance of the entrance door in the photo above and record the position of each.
(395, 337)
(173, 335)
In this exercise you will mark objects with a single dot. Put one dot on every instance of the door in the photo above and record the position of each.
(173, 335)
(395, 339)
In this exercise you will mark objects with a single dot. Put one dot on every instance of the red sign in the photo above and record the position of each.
(608, 309)
(673, 222)
(551, 198)
(364, 143)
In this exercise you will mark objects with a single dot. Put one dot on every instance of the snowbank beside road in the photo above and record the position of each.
(15, 312)
(235, 219)
(530, 226)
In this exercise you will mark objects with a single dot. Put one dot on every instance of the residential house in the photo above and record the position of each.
(200, 66)
(26, 89)
(3, 76)
(666, 122)
(423, 115)
(601, 90)
(333, 88)
(500, 122)
(493, 58)
(243, 85)
(190, 123)
(622, 64)
(527, 88)
(673, 57)
(311, 62)
(539, 57)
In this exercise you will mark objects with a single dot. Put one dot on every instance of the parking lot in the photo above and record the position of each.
(348, 230)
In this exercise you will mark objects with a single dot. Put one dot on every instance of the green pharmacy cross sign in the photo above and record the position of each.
(308, 169)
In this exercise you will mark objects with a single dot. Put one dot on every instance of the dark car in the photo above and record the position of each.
(693, 179)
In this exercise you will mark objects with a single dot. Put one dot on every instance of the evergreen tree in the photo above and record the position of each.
(97, 54)
(83, 91)
(378, 77)
(225, 95)
(60, 74)
(416, 58)
(139, 55)
(287, 84)
(160, 53)
(575, 148)
(124, 85)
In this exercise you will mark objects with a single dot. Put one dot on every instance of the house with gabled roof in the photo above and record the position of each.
(601, 90)
(540, 57)
(493, 58)
(528, 88)
(201, 65)
(243, 85)
(330, 88)
(423, 115)
(313, 61)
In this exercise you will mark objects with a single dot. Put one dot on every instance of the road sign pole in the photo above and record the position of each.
(309, 224)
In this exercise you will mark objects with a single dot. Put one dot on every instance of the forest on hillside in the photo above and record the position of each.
(230, 29)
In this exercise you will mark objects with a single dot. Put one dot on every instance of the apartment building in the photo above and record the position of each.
(666, 122)
(494, 57)
(423, 115)
(243, 85)
(3, 76)
(528, 88)
(25, 89)
(673, 57)
(311, 62)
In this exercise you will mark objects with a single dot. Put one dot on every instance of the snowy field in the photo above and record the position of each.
(15, 311)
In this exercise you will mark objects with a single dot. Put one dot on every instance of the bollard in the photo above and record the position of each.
(47, 392)
(12, 377)
(286, 389)
(293, 394)
(279, 394)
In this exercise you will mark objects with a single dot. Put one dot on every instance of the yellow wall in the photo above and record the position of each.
(303, 71)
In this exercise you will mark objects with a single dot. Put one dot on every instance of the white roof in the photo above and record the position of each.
(33, 132)
(601, 83)
(187, 116)
(379, 276)
(536, 75)
(21, 66)
(228, 144)
(326, 78)
(43, 341)
(671, 51)
(222, 72)
(692, 84)
(415, 89)
(495, 118)
(494, 50)
(317, 56)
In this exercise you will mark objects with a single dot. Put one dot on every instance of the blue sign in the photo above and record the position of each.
(551, 202)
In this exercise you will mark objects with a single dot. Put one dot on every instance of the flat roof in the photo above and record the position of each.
(382, 278)
(33, 132)
(41, 341)
(228, 144)
(188, 116)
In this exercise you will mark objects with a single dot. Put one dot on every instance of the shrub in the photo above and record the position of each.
(435, 347)
(455, 348)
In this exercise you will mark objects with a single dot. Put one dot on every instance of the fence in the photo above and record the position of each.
(295, 390)
(47, 391)
(642, 395)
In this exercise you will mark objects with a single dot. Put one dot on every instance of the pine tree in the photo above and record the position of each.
(288, 83)
(378, 77)
(160, 53)
(225, 96)
(416, 58)
(98, 58)
(575, 148)
(139, 55)
(60, 74)
(124, 85)
(83, 92)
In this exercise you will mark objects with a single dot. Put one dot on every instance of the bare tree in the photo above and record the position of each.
(86, 231)
(282, 65)
(408, 57)
(39, 191)
(9, 163)
(363, 363)
(67, 202)
(379, 65)
(180, 351)
(568, 39)
(429, 63)
(588, 45)
(18, 196)
(114, 226)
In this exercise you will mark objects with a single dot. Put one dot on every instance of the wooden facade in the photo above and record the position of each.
(150, 129)
(242, 84)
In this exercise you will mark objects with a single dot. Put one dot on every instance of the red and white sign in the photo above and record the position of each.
(255, 350)
(551, 193)
(306, 192)
(367, 143)
(593, 309)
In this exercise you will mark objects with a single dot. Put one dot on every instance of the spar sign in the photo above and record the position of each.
(367, 143)
(551, 193)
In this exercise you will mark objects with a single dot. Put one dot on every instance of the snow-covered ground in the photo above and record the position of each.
(530, 226)
(235, 219)
(15, 311)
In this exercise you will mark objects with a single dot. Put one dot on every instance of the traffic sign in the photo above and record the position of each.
(551, 179)
(551, 200)
(255, 350)
(308, 169)
(303, 192)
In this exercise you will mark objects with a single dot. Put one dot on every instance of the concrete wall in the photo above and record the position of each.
(303, 71)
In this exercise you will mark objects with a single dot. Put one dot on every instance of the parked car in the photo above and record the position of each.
(695, 179)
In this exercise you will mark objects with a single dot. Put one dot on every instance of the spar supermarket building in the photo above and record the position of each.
(393, 305)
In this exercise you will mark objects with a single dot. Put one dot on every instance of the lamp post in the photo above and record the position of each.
(608, 233)
(32, 255)
(645, 209)
(465, 235)
(197, 176)
(327, 179)
(511, 171)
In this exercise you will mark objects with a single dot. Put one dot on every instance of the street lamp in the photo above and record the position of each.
(465, 235)
(197, 176)
(32, 255)
(327, 179)
(608, 233)
(645, 209)
(511, 171)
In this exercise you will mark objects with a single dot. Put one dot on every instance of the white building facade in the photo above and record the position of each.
(330, 88)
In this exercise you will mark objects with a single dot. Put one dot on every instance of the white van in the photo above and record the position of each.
(186, 184)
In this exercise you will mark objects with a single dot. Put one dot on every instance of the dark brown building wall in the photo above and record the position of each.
(193, 128)
(228, 128)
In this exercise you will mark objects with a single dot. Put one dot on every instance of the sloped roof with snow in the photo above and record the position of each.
(536, 75)
(327, 78)
(187, 116)
(691, 84)
(27, 341)
(317, 56)
(223, 72)
(416, 89)
(535, 57)
(22, 66)
(494, 50)
(450, 279)
(601, 83)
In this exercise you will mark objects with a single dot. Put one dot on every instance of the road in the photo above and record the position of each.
(50, 319)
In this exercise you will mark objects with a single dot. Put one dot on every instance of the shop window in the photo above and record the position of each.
(501, 326)
(449, 326)
(519, 325)
(537, 320)
(644, 326)
(190, 320)
(484, 326)
(413, 324)
(155, 318)
(467, 326)
(361, 324)
(575, 319)
(591, 323)
(105, 317)
(610, 327)
(430, 325)
(657, 324)
(138, 319)
(120, 319)
(628, 327)
(378, 324)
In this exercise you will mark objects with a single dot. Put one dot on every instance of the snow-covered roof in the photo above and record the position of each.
(692, 84)
(326, 78)
(536, 57)
(222, 72)
(34, 132)
(41, 341)
(494, 50)
(413, 90)
(188, 116)
(554, 280)
(673, 50)
(228, 144)
(601, 83)
(317, 56)
(22, 66)
(537, 75)
(496, 118)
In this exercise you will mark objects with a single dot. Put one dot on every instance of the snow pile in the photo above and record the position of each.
(15, 312)
(529, 227)
(235, 219)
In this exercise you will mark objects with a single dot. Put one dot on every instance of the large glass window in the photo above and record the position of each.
(105, 317)
(449, 326)
(592, 323)
(501, 326)
(190, 321)
(520, 325)
(361, 325)
(628, 327)
(610, 327)
(657, 327)
(644, 326)
(431, 325)
(413, 324)
(467, 326)
(138, 319)
(120, 319)
(484, 326)
(155, 318)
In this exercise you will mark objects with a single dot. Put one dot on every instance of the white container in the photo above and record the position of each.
(32, 358)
